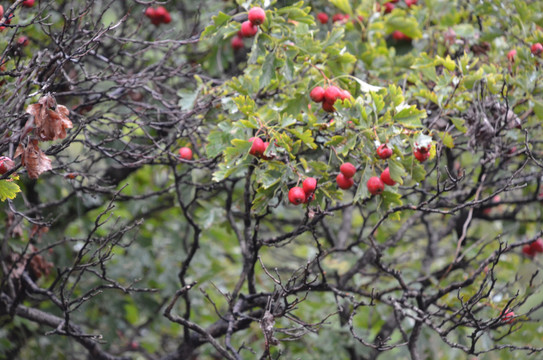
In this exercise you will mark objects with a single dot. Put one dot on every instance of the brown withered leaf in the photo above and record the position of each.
(33, 159)
(51, 120)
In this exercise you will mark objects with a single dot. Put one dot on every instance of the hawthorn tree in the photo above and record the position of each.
(117, 245)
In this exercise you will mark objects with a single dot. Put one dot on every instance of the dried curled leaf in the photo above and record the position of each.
(51, 120)
(33, 159)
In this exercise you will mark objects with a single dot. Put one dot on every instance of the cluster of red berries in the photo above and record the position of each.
(375, 184)
(298, 195)
(329, 96)
(532, 249)
(159, 15)
(389, 6)
(422, 153)
(249, 28)
(185, 153)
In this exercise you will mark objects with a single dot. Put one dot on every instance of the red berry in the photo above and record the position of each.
(258, 147)
(28, 3)
(322, 17)
(421, 156)
(23, 41)
(6, 164)
(166, 19)
(296, 195)
(185, 153)
(389, 7)
(257, 16)
(309, 198)
(410, 3)
(528, 251)
(331, 94)
(384, 152)
(344, 95)
(150, 12)
(236, 43)
(400, 36)
(328, 107)
(248, 29)
(344, 182)
(317, 94)
(511, 55)
(537, 246)
(309, 185)
(347, 169)
(160, 12)
(537, 48)
(508, 317)
(385, 177)
(375, 185)
(338, 17)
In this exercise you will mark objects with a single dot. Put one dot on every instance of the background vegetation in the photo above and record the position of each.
(115, 248)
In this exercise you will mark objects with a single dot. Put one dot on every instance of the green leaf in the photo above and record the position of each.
(391, 198)
(217, 141)
(459, 124)
(362, 191)
(447, 139)
(538, 109)
(408, 25)
(397, 171)
(343, 5)
(410, 116)
(8, 190)
(268, 70)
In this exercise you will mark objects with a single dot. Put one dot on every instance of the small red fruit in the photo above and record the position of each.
(236, 43)
(258, 147)
(410, 3)
(322, 17)
(331, 94)
(309, 185)
(150, 12)
(384, 152)
(6, 164)
(528, 251)
(328, 107)
(339, 17)
(537, 48)
(23, 41)
(375, 185)
(317, 94)
(344, 95)
(28, 3)
(389, 7)
(508, 317)
(385, 177)
(167, 18)
(309, 198)
(257, 16)
(421, 156)
(400, 36)
(160, 12)
(344, 182)
(185, 153)
(296, 195)
(347, 169)
(537, 246)
(511, 55)
(248, 29)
